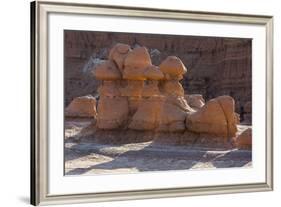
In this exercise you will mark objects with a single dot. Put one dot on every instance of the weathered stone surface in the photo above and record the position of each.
(153, 73)
(173, 68)
(133, 88)
(216, 65)
(136, 62)
(109, 88)
(84, 106)
(118, 54)
(112, 112)
(215, 117)
(107, 71)
(195, 101)
(138, 58)
(147, 116)
(244, 140)
(172, 87)
(173, 114)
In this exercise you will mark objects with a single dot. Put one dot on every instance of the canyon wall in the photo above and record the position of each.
(215, 65)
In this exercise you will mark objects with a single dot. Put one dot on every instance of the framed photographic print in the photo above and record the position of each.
(135, 103)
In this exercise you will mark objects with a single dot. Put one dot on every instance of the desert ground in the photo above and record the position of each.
(89, 152)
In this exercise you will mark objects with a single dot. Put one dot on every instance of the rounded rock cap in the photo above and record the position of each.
(173, 66)
(107, 71)
(153, 73)
(120, 48)
(138, 58)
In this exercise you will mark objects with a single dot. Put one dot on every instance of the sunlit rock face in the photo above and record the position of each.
(216, 117)
(216, 65)
(84, 106)
(136, 95)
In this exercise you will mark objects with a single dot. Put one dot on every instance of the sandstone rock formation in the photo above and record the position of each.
(137, 95)
(244, 140)
(118, 54)
(216, 65)
(216, 117)
(112, 108)
(84, 106)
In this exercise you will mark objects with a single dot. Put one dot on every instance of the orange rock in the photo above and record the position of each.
(138, 58)
(172, 87)
(109, 88)
(147, 116)
(107, 71)
(173, 68)
(153, 73)
(216, 117)
(112, 112)
(173, 114)
(136, 63)
(195, 101)
(118, 54)
(133, 88)
(134, 102)
(84, 106)
(244, 140)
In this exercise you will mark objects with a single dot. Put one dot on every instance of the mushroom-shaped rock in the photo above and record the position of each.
(173, 68)
(216, 117)
(107, 71)
(112, 112)
(84, 106)
(153, 75)
(138, 58)
(244, 140)
(136, 63)
(118, 54)
(195, 101)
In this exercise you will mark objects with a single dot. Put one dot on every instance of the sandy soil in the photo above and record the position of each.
(93, 152)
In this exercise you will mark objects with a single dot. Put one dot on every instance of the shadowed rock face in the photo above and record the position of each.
(217, 66)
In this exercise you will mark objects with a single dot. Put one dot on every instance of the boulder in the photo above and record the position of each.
(84, 106)
(112, 112)
(216, 117)
(147, 116)
(173, 68)
(244, 140)
(107, 71)
(118, 54)
(195, 101)
(138, 58)
(137, 61)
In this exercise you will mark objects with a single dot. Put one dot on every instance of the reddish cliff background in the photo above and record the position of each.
(216, 65)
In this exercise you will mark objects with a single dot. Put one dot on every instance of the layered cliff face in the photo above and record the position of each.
(215, 66)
